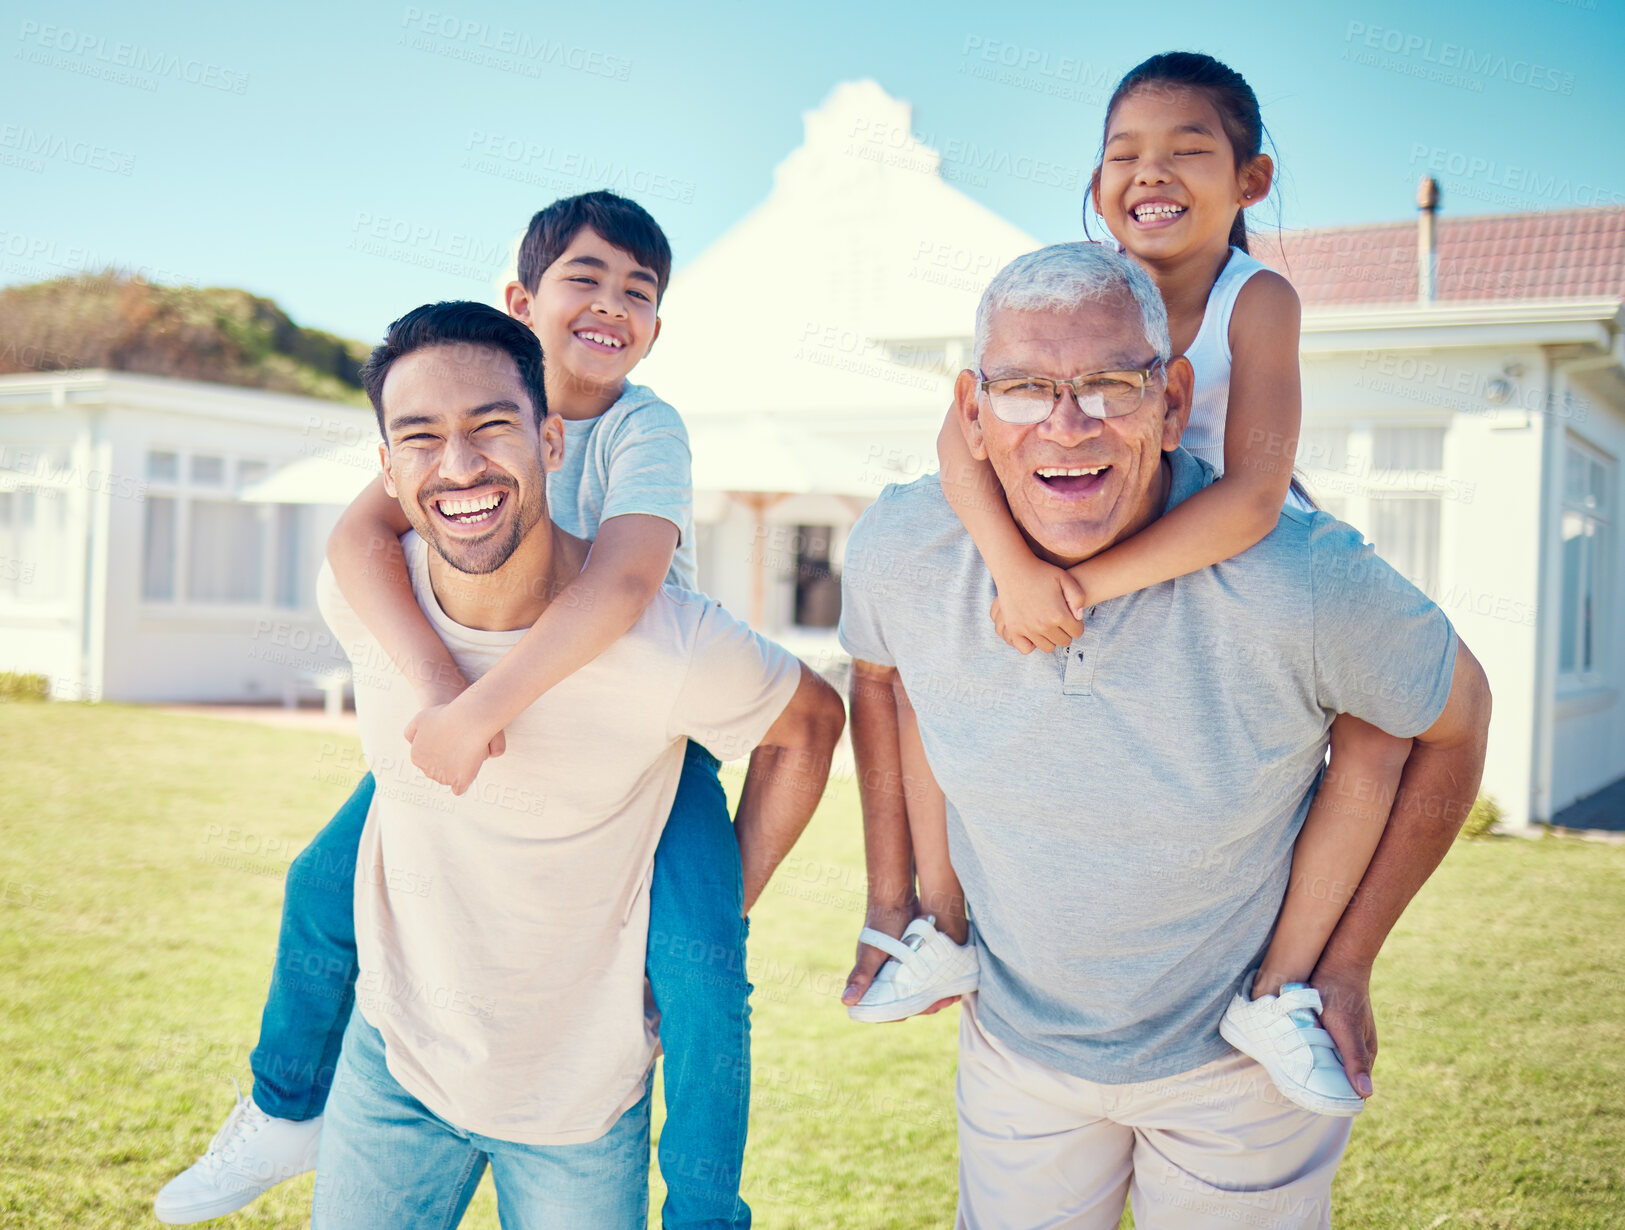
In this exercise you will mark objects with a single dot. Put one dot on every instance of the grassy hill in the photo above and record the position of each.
(194, 333)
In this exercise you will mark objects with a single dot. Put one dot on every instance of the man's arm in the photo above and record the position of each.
(788, 771)
(1436, 791)
(887, 850)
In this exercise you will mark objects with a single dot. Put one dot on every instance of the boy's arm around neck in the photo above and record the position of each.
(365, 553)
(628, 564)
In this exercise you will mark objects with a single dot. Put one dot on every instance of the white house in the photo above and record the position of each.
(818, 340)
(1467, 411)
(131, 568)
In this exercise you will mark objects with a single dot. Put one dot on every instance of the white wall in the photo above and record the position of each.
(1489, 488)
(47, 487)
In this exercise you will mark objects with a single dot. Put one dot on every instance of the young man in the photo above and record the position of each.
(503, 932)
(592, 270)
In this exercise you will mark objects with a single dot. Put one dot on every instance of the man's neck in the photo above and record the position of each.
(516, 594)
(577, 401)
(1162, 490)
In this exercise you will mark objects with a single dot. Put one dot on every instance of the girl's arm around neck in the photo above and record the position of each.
(1038, 604)
(1260, 441)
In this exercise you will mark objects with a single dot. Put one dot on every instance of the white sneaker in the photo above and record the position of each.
(251, 1154)
(1284, 1034)
(926, 966)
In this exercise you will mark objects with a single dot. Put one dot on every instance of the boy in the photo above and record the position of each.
(592, 270)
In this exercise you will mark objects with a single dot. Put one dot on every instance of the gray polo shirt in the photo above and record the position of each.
(1122, 812)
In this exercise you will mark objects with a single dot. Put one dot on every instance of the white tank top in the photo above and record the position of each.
(1209, 355)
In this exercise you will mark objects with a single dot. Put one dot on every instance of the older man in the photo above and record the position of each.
(1121, 813)
(502, 933)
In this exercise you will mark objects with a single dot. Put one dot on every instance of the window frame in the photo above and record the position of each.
(1599, 573)
(185, 492)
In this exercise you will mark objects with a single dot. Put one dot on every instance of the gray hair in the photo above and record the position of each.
(1061, 277)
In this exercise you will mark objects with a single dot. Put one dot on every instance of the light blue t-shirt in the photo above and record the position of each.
(633, 458)
(1121, 812)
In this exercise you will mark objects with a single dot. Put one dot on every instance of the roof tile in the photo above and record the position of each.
(1552, 254)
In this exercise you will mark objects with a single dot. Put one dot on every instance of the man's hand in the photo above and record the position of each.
(449, 749)
(1039, 606)
(1345, 997)
(893, 923)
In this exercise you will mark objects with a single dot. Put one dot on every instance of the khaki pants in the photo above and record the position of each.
(1214, 1147)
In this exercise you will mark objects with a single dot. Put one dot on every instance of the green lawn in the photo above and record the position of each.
(140, 876)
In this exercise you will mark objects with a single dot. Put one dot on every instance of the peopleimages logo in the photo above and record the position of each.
(144, 66)
(1518, 183)
(37, 147)
(1450, 63)
(478, 42)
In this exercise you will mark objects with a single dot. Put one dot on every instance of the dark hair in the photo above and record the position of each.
(459, 324)
(623, 223)
(1222, 86)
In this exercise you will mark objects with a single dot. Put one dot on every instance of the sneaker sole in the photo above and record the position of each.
(1320, 1104)
(207, 1210)
(915, 1004)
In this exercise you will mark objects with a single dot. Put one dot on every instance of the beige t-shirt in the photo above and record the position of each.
(502, 934)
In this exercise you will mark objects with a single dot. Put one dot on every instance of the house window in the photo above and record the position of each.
(818, 588)
(1405, 531)
(1407, 448)
(226, 556)
(1388, 480)
(293, 583)
(158, 550)
(207, 471)
(203, 545)
(35, 556)
(1587, 540)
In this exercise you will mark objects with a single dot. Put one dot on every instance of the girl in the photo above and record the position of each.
(1181, 159)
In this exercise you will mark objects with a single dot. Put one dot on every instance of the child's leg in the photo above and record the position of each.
(697, 974)
(1339, 835)
(313, 982)
(940, 893)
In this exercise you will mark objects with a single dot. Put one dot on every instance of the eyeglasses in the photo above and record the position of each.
(1024, 400)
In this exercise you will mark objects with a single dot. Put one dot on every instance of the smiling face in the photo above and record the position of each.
(464, 454)
(1076, 485)
(594, 312)
(1168, 186)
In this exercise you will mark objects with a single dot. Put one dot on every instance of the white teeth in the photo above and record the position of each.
(602, 339)
(1068, 471)
(1145, 213)
(463, 508)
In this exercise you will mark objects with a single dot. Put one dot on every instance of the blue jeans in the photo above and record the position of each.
(696, 971)
(387, 1162)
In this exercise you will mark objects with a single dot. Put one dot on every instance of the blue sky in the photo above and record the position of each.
(287, 149)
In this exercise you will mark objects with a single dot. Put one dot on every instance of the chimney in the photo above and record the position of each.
(1427, 256)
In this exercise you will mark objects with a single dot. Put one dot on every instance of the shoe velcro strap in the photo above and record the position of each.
(1299, 997)
(1318, 1037)
(886, 944)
